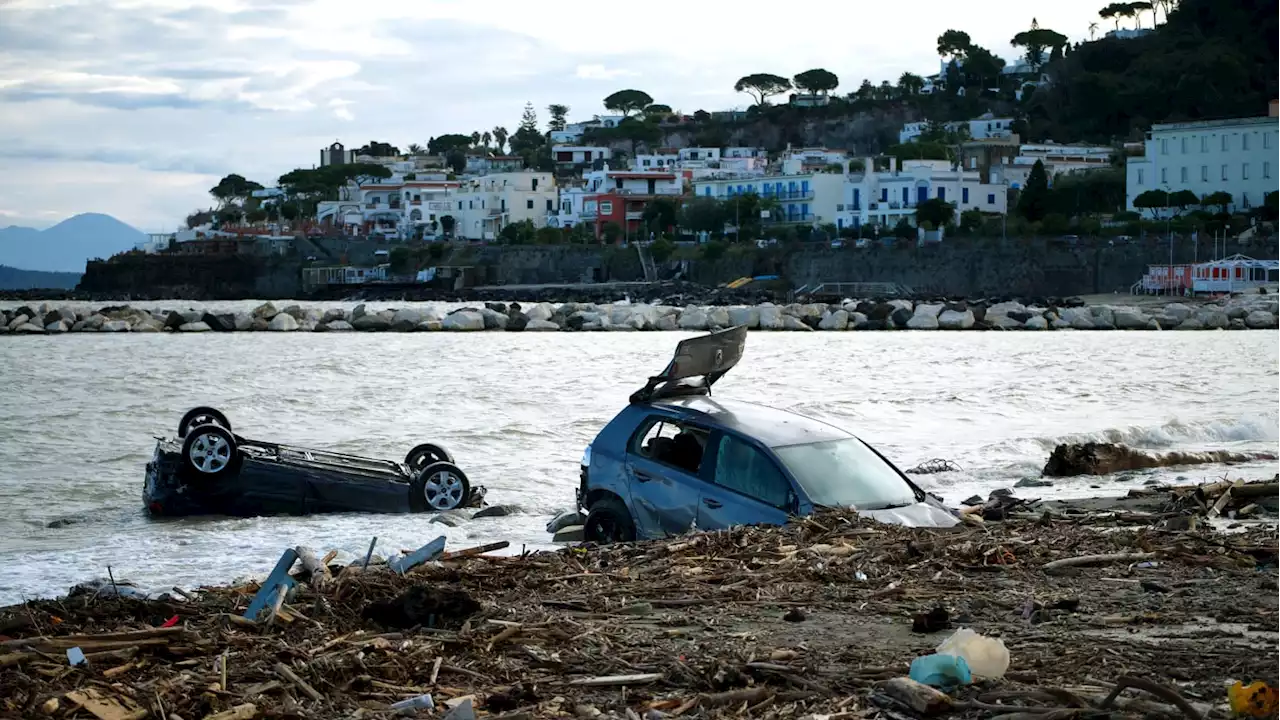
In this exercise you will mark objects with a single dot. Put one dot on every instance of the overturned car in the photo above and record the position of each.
(210, 470)
(677, 459)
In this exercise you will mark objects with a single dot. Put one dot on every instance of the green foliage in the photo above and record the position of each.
(702, 214)
(935, 212)
(1055, 224)
(500, 136)
(527, 139)
(1093, 191)
(657, 111)
(920, 151)
(1152, 201)
(256, 216)
(549, 236)
(456, 161)
(559, 116)
(954, 44)
(660, 215)
(323, 183)
(662, 249)
(816, 81)
(1035, 41)
(447, 143)
(904, 230)
(233, 188)
(435, 251)
(518, 233)
(971, 221)
(714, 250)
(1033, 201)
(910, 84)
(762, 86)
(400, 260)
(611, 232)
(1219, 199)
(628, 101)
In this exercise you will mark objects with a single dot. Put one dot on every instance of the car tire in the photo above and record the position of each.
(609, 521)
(210, 452)
(426, 454)
(201, 416)
(440, 487)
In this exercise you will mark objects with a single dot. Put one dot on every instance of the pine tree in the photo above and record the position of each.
(1033, 201)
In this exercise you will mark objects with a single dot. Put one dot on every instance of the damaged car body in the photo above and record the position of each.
(210, 470)
(677, 459)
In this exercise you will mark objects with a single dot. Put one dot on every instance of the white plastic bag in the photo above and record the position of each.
(987, 657)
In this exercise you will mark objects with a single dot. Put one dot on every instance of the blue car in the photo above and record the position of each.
(678, 459)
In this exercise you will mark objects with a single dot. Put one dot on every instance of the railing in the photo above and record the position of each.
(793, 218)
(789, 194)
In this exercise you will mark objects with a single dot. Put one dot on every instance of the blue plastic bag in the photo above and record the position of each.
(941, 671)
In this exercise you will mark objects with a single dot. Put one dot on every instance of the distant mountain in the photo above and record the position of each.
(66, 247)
(15, 279)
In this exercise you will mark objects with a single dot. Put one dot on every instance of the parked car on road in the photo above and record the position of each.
(209, 469)
(677, 458)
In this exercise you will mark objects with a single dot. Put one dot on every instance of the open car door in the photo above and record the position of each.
(697, 364)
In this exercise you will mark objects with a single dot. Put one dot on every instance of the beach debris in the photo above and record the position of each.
(423, 605)
(936, 465)
(917, 696)
(412, 705)
(274, 588)
(1256, 700)
(986, 657)
(404, 563)
(932, 621)
(941, 671)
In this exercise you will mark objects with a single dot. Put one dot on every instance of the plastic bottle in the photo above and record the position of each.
(986, 657)
(941, 671)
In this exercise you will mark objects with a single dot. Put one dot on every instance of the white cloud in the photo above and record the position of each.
(132, 106)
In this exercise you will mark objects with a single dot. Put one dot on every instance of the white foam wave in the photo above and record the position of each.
(1176, 432)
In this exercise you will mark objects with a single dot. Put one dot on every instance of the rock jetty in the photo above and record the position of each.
(1237, 313)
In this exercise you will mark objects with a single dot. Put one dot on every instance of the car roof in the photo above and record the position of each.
(771, 426)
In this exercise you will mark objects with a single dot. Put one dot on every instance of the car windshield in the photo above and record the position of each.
(846, 473)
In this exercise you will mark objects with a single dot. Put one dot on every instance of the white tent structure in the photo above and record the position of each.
(1237, 273)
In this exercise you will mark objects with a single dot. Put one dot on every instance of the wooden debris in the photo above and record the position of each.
(105, 707)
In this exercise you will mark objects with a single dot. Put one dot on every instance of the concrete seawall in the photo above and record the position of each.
(1238, 313)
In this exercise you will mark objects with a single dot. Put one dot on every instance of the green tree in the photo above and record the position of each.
(500, 135)
(865, 91)
(559, 116)
(450, 141)
(910, 84)
(1219, 199)
(702, 214)
(456, 160)
(1035, 41)
(660, 215)
(1270, 206)
(233, 189)
(816, 81)
(527, 138)
(1033, 201)
(256, 216)
(935, 212)
(762, 86)
(628, 101)
(518, 233)
(983, 67)
(1183, 199)
(611, 232)
(485, 138)
(714, 250)
(379, 149)
(657, 111)
(1112, 12)
(1153, 201)
(415, 149)
(953, 44)
(549, 236)
(970, 221)
(662, 249)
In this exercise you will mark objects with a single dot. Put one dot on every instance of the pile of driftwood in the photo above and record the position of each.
(817, 619)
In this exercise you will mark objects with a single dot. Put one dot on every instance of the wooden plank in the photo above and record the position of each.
(104, 707)
(607, 680)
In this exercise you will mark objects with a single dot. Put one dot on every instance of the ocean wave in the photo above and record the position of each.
(1177, 432)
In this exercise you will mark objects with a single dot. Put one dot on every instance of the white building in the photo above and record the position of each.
(579, 154)
(155, 242)
(392, 208)
(702, 163)
(1236, 156)
(800, 198)
(484, 205)
(980, 128)
(573, 132)
(886, 197)
(484, 164)
(336, 154)
(811, 160)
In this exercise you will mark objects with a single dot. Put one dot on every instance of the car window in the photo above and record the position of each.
(672, 443)
(743, 468)
(846, 473)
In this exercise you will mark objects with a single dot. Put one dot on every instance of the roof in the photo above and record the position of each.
(1210, 124)
(642, 175)
(771, 426)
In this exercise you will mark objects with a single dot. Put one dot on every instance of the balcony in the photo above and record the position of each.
(789, 195)
(791, 219)
(635, 214)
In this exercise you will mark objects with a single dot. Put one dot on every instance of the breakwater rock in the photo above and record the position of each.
(1238, 313)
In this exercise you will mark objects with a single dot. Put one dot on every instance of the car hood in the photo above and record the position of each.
(917, 515)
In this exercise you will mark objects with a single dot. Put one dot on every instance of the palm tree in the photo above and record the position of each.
(499, 137)
(486, 137)
(416, 149)
(475, 138)
(910, 84)
(1093, 29)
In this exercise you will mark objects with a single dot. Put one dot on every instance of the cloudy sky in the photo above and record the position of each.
(136, 107)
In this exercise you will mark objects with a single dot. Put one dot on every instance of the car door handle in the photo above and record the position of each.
(711, 503)
(642, 477)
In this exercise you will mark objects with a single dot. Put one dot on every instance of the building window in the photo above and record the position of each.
(471, 205)
(1266, 169)
(1244, 141)
(528, 204)
(1184, 146)
(1204, 143)
(1164, 175)
(606, 208)
(550, 205)
(964, 195)
(1224, 142)
(1244, 171)
(1183, 175)
(1164, 146)
(991, 198)
(1224, 172)
(1204, 173)
(1266, 141)
(1139, 177)
(884, 194)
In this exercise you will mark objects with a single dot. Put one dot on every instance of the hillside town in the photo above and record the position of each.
(647, 174)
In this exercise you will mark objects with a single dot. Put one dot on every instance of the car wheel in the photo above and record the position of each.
(439, 487)
(609, 521)
(201, 416)
(426, 454)
(210, 452)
